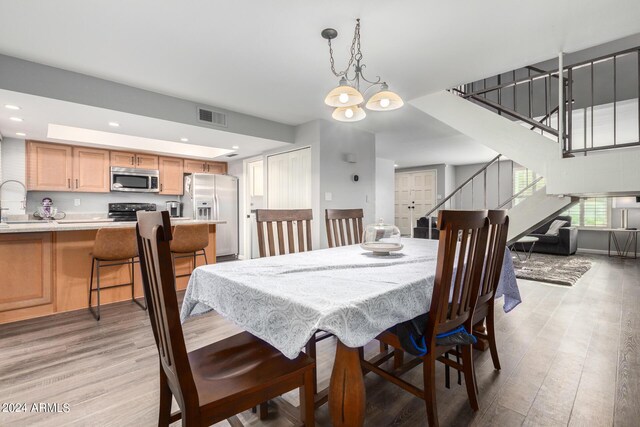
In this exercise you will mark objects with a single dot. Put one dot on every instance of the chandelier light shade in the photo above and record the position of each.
(385, 100)
(344, 96)
(349, 114)
(347, 98)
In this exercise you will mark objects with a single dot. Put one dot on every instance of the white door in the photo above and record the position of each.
(415, 196)
(255, 199)
(289, 180)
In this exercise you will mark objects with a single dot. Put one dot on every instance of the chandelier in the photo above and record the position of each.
(347, 99)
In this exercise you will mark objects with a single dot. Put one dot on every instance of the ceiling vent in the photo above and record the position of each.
(232, 155)
(212, 117)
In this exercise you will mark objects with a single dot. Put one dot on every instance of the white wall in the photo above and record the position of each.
(336, 141)
(385, 190)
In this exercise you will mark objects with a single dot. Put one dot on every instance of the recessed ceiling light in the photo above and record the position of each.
(21, 134)
(184, 139)
(395, 165)
(15, 119)
(114, 124)
(11, 107)
(235, 147)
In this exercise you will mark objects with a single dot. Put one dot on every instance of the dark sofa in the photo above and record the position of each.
(565, 243)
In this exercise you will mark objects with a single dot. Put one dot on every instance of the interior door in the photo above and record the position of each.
(415, 196)
(289, 180)
(254, 200)
(403, 203)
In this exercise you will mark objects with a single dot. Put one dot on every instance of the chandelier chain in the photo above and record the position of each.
(355, 44)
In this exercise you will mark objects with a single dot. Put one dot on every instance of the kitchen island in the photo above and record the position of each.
(45, 267)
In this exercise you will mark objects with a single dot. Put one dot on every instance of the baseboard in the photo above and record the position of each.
(593, 251)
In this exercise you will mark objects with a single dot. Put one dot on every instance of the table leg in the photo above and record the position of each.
(346, 391)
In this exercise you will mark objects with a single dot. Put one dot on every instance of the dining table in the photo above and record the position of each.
(347, 291)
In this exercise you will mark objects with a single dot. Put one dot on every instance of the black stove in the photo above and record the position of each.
(127, 211)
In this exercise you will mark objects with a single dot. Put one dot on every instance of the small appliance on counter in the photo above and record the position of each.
(175, 208)
(214, 197)
(47, 211)
(127, 211)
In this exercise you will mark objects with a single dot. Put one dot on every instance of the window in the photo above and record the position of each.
(590, 212)
(522, 178)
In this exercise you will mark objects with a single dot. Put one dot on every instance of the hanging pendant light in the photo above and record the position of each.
(385, 100)
(349, 114)
(347, 97)
(343, 96)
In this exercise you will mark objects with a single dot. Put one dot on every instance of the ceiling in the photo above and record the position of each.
(267, 59)
(38, 112)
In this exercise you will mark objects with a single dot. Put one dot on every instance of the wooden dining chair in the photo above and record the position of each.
(499, 227)
(289, 219)
(461, 252)
(281, 218)
(344, 226)
(215, 382)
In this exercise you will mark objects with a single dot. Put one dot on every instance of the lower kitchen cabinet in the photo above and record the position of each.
(26, 262)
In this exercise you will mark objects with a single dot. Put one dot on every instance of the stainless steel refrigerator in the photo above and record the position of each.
(209, 197)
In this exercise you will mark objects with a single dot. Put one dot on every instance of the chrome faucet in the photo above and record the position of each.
(23, 202)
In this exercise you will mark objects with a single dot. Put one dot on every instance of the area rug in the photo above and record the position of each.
(556, 269)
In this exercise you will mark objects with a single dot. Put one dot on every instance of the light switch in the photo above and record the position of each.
(76, 202)
(328, 196)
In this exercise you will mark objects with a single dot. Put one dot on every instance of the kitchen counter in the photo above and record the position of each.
(46, 266)
(38, 226)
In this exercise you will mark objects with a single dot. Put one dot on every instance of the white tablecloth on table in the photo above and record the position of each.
(347, 291)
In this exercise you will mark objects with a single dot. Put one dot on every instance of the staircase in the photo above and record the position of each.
(519, 115)
(584, 160)
(524, 217)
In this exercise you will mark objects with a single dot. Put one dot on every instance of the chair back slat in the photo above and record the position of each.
(461, 254)
(344, 226)
(281, 219)
(153, 233)
(497, 241)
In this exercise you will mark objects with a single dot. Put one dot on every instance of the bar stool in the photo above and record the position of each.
(189, 240)
(112, 247)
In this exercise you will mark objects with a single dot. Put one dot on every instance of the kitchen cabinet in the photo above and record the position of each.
(194, 166)
(49, 166)
(217, 167)
(199, 166)
(91, 170)
(171, 175)
(146, 161)
(26, 262)
(125, 159)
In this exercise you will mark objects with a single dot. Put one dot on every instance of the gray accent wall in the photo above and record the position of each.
(42, 80)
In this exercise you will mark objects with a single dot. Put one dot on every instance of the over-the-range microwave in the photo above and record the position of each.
(135, 180)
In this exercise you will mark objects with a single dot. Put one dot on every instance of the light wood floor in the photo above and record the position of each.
(570, 356)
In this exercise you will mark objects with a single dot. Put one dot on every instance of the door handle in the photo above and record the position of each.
(76, 182)
(68, 182)
(132, 160)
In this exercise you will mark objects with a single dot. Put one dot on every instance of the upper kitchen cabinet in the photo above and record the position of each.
(194, 166)
(91, 170)
(171, 174)
(125, 159)
(49, 166)
(216, 167)
(199, 166)
(146, 161)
